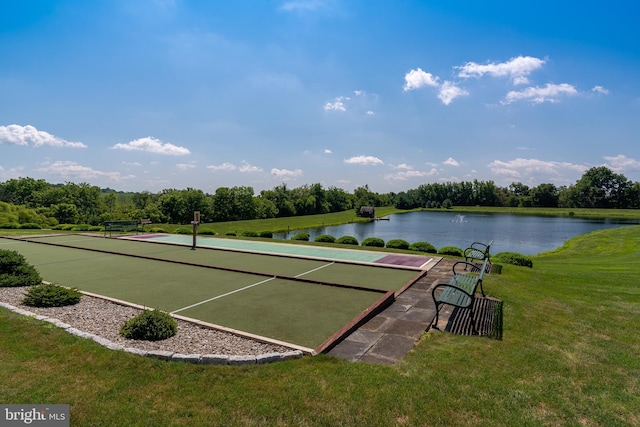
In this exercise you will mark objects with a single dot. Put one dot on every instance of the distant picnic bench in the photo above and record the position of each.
(124, 226)
(460, 290)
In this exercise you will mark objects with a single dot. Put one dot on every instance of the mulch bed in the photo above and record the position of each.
(488, 314)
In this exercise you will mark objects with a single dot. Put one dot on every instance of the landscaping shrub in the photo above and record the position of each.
(157, 230)
(150, 325)
(96, 228)
(231, 233)
(326, 238)
(450, 250)
(207, 232)
(347, 240)
(10, 225)
(49, 295)
(67, 227)
(16, 271)
(250, 234)
(423, 247)
(301, 236)
(373, 241)
(513, 258)
(30, 226)
(80, 227)
(397, 244)
(184, 230)
(265, 234)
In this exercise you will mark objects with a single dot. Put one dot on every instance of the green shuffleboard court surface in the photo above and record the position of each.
(296, 300)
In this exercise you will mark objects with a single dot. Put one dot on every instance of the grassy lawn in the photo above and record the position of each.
(569, 356)
(281, 225)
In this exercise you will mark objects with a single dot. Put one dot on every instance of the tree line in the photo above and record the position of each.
(72, 203)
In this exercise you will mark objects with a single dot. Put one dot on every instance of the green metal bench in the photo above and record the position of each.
(460, 291)
(121, 226)
(477, 253)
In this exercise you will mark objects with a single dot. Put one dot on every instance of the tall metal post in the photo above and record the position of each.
(195, 222)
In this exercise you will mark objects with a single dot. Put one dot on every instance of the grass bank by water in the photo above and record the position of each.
(569, 356)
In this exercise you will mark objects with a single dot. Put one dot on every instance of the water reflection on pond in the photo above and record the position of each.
(518, 233)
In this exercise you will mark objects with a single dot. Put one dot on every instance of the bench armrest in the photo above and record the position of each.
(464, 267)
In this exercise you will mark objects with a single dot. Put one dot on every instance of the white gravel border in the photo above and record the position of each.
(100, 320)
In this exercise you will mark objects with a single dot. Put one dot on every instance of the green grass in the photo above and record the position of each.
(281, 225)
(569, 356)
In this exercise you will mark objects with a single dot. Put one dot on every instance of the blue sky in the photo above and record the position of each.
(154, 94)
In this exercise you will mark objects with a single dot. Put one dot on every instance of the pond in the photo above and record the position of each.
(524, 234)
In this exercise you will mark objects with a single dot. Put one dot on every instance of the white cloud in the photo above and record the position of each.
(451, 162)
(519, 167)
(415, 79)
(364, 160)
(403, 166)
(285, 174)
(303, 5)
(72, 171)
(327, 151)
(248, 168)
(134, 164)
(152, 145)
(244, 167)
(226, 166)
(185, 166)
(621, 163)
(337, 105)
(517, 69)
(449, 91)
(600, 89)
(29, 135)
(537, 95)
(408, 174)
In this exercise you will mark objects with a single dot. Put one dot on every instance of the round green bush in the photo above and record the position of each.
(397, 244)
(150, 325)
(231, 233)
(10, 225)
(207, 232)
(30, 226)
(96, 228)
(157, 230)
(373, 241)
(513, 258)
(80, 227)
(326, 238)
(50, 295)
(250, 234)
(16, 271)
(450, 250)
(301, 236)
(184, 230)
(347, 240)
(265, 234)
(423, 247)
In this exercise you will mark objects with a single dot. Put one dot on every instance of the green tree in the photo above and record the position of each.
(544, 196)
(65, 213)
(21, 191)
(600, 187)
(223, 205)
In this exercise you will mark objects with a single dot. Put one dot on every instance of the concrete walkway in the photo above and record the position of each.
(389, 336)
